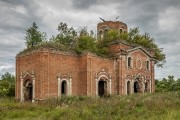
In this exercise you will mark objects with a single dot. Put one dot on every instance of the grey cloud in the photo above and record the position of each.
(83, 4)
(147, 15)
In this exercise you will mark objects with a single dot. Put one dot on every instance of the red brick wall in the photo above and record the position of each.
(137, 56)
(95, 65)
(47, 64)
(112, 25)
(28, 63)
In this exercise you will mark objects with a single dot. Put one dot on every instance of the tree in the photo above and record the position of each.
(146, 41)
(134, 37)
(7, 85)
(167, 84)
(66, 35)
(34, 36)
(8, 77)
(86, 43)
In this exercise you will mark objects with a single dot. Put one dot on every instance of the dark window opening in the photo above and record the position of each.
(129, 62)
(63, 88)
(128, 87)
(102, 88)
(136, 87)
(147, 65)
(146, 87)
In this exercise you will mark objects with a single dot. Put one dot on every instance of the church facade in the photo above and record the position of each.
(46, 72)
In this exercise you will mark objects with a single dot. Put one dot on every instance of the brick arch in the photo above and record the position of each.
(68, 79)
(140, 79)
(128, 84)
(27, 76)
(26, 80)
(129, 77)
(147, 87)
(103, 76)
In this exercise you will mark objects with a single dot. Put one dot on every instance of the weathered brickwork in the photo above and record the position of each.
(46, 72)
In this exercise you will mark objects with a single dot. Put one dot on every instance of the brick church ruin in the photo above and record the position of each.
(46, 72)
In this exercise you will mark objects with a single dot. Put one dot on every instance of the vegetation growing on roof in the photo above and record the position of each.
(34, 36)
(69, 39)
(133, 37)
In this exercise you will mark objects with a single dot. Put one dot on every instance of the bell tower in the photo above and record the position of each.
(110, 25)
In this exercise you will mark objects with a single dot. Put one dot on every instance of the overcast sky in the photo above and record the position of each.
(159, 18)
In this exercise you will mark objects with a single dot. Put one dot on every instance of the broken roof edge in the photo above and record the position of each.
(121, 41)
(26, 52)
(110, 21)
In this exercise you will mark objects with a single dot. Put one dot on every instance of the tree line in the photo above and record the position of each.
(167, 84)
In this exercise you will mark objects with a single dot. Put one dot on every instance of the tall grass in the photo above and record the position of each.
(158, 106)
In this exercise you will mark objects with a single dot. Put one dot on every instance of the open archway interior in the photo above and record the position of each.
(136, 87)
(63, 87)
(102, 87)
(128, 87)
(28, 94)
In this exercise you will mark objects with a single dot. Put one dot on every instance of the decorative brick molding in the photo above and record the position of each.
(68, 79)
(102, 75)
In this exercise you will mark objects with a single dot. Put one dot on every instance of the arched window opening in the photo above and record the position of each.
(129, 64)
(136, 87)
(106, 29)
(146, 87)
(101, 32)
(147, 65)
(128, 88)
(102, 88)
(64, 88)
(28, 94)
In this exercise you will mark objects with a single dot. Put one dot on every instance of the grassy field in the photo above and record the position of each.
(158, 106)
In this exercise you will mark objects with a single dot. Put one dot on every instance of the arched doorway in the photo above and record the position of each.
(64, 88)
(136, 87)
(28, 94)
(146, 87)
(102, 88)
(128, 88)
